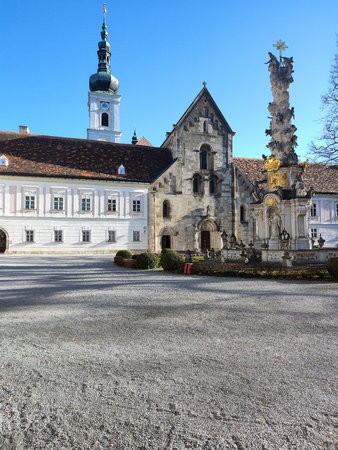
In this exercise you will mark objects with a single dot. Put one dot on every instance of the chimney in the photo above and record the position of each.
(23, 129)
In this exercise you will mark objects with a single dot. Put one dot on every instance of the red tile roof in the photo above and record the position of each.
(50, 156)
(144, 141)
(323, 178)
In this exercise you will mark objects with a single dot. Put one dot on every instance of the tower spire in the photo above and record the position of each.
(103, 98)
(103, 80)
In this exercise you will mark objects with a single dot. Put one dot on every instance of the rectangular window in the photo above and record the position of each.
(136, 205)
(58, 203)
(111, 204)
(314, 210)
(85, 235)
(314, 233)
(86, 202)
(136, 236)
(111, 236)
(336, 209)
(58, 236)
(29, 201)
(29, 235)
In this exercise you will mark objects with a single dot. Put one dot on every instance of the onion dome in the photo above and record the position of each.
(134, 138)
(103, 80)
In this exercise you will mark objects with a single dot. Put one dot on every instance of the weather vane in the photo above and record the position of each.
(280, 45)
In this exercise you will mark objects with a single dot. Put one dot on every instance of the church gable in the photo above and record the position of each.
(203, 117)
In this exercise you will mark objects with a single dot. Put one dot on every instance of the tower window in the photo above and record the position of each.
(204, 159)
(243, 214)
(197, 184)
(105, 120)
(166, 209)
(214, 185)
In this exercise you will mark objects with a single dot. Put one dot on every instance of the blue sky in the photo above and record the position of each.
(162, 51)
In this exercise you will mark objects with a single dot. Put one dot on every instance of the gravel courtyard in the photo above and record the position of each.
(94, 356)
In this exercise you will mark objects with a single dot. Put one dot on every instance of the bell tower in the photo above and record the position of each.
(103, 98)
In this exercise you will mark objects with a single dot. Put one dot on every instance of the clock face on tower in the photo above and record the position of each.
(104, 105)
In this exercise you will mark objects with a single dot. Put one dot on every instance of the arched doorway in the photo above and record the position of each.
(165, 241)
(3, 241)
(166, 238)
(209, 236)
(205, 240)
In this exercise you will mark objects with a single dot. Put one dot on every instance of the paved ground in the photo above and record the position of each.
(99, 357)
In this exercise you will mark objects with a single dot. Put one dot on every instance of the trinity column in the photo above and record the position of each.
(281, 215)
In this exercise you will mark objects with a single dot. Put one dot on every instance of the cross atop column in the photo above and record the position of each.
(280, 45)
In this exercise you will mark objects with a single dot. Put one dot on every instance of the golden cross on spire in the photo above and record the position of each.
(280, 45)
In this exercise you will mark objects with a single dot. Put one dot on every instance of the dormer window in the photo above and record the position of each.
(3, 160)
(105, 120)
(121, 170)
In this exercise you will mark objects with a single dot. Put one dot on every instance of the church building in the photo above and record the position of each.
(65, 195)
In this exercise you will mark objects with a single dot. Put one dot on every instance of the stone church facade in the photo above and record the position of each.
(200, 195)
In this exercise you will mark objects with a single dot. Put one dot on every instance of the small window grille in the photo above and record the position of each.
(111, 236)
(136, 236)
(111, 204)
(58, 203)
(29, 235)
(29, 201)
(136, 205)
(86, 202)
(58, 236)
(85, 235)
(314, 233)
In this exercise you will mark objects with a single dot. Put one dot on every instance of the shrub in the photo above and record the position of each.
(146, 261)
(170, 260)
(332, 267)
(119, 260)
(124, 254)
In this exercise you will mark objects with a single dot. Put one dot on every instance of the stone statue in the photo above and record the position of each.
(274, 223)
(283, 139)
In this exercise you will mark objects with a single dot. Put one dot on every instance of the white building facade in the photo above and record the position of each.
(56, 215)
(323, 220)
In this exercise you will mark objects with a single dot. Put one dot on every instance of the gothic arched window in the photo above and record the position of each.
(197, 184)
(243, 214)
(204, 159)
(166, 209)
(213, 185)
(105, 120)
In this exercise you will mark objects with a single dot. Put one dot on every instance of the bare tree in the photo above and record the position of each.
(325, 149)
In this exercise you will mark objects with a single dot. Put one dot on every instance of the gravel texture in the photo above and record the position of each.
(95, 356)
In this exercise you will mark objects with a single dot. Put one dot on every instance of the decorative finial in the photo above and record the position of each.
(104, 11)
(204, 84)
(280, 45)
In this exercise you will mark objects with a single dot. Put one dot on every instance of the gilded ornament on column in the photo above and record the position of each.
(272, 164)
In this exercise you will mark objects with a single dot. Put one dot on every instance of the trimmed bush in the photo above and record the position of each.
(119, 260)
(124, 254)
(146, 261)
(170, 261)
(332, 267)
